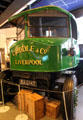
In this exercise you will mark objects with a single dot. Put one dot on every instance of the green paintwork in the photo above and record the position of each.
(54, 60)
(43, 54)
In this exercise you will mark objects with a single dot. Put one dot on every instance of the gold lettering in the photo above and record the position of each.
(20, 50)
(39, 62)
(42, 51)
(31, 48)
(22, 62)
(35, 62)
(26, 48)
(28, 62)
(23, 48)
(13, 53)
(32, 62)
(16, 51)
(15, 61)
(45, 51)
(19, 61)
(37, 50)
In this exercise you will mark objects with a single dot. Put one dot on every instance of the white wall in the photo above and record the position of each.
(80, 29)
(5, 34)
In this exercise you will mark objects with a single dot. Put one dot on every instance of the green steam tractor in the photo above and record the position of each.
(45, 53)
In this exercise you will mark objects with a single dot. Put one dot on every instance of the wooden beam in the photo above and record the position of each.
(2, 6)
(8, 0)
(5, 3)
(13, 7)
(78, 13)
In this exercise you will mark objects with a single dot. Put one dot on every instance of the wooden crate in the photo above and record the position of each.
(22, 100)
(52, 109)
(35, 106)
(26, 102)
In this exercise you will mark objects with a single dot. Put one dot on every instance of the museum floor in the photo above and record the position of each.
(13, 113)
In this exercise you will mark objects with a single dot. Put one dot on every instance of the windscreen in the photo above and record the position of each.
(48, 27)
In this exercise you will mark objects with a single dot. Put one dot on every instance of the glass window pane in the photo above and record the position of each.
(48, 27)
(54, 21)
(34, 21)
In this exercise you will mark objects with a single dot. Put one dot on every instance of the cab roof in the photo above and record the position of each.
(35, 10)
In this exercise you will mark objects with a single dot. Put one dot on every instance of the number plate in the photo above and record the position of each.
(28, 83)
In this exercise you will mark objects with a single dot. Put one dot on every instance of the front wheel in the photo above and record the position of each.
(69, 90)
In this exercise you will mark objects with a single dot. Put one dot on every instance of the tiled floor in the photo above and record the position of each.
(13, 112)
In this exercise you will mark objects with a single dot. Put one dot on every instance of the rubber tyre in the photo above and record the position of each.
(69, 87)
